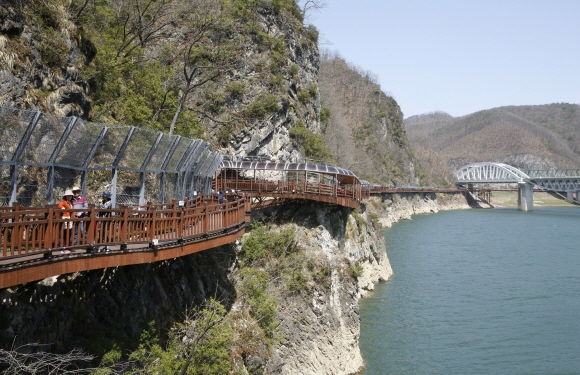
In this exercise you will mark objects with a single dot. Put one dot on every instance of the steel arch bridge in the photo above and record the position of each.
(489, 173)
(496, 173)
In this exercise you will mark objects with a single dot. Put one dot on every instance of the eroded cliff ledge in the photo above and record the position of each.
(322, 325)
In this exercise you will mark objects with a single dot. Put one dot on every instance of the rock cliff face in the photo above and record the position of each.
(42, 71)
(297, 74)
(101, 63)
(322, 325)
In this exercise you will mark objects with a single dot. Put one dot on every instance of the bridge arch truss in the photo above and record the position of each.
(489, 173)
(551, 180)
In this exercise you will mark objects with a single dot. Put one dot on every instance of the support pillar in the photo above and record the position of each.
(525, 196)
(570, 196)
(578, 196)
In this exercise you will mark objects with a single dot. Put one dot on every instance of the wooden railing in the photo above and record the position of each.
(348, 195)
(36, 243)
(317, 190)
(28, 230)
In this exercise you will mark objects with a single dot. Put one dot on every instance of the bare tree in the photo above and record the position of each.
(207, 53)
(32, 360)
(310, 6)
(142, 21)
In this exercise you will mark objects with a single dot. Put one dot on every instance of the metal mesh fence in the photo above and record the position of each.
(12, 127)
(4, 185)
(78, 145)
(41, 155)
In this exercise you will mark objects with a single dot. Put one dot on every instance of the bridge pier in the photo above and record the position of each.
(525, 196)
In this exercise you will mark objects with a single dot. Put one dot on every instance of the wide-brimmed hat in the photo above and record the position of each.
(106, 194)
(76, 188)
(68, 192)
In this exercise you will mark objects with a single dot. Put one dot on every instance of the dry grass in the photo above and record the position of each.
(510, 199)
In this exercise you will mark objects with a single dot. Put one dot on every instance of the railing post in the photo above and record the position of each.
(205, 218)
(92, 224)
(181, 220)
(16, 237)
(123, 225)
(153, 231)
(48, 236)
(225, 218)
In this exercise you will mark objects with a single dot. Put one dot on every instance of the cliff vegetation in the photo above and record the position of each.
(363, 126)
(213, 69)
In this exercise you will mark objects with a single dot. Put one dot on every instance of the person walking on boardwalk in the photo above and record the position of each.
(79, 203)
(65, 204)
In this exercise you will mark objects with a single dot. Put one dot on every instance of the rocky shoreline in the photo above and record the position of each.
(322, 330)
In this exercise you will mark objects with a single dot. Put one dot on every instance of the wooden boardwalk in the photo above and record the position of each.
(36, 243)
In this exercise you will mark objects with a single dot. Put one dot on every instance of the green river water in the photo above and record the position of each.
(478, 292)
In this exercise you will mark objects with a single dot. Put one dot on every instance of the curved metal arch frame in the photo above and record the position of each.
(490, 172)
(33, 138)
(344, 176)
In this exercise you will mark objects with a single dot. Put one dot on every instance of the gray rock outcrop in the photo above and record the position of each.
(322, 325)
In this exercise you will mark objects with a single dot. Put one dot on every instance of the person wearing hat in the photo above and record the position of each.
(105, 203)
(79, 203)
(65, 204)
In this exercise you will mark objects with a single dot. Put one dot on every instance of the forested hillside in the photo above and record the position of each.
(527, 137)
(362, 125)
(238, 73)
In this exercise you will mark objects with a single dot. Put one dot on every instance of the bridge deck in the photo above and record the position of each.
(35, 243)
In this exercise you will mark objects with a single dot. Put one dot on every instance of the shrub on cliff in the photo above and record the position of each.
(198, 345)
(263, 244)
(312, 144)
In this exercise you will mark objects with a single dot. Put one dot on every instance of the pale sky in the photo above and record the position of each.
(460, 56)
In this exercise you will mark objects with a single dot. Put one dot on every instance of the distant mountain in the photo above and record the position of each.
(527, 137)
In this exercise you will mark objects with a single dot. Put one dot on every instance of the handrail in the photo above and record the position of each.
(35, 239)
(25, 230)
(310, 190)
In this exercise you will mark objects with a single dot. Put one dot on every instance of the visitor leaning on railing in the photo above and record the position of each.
(66, 225)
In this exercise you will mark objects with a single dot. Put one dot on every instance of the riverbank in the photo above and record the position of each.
(321, 324)
(510, 199)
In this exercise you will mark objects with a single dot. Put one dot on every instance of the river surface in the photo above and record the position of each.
(478, 292)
